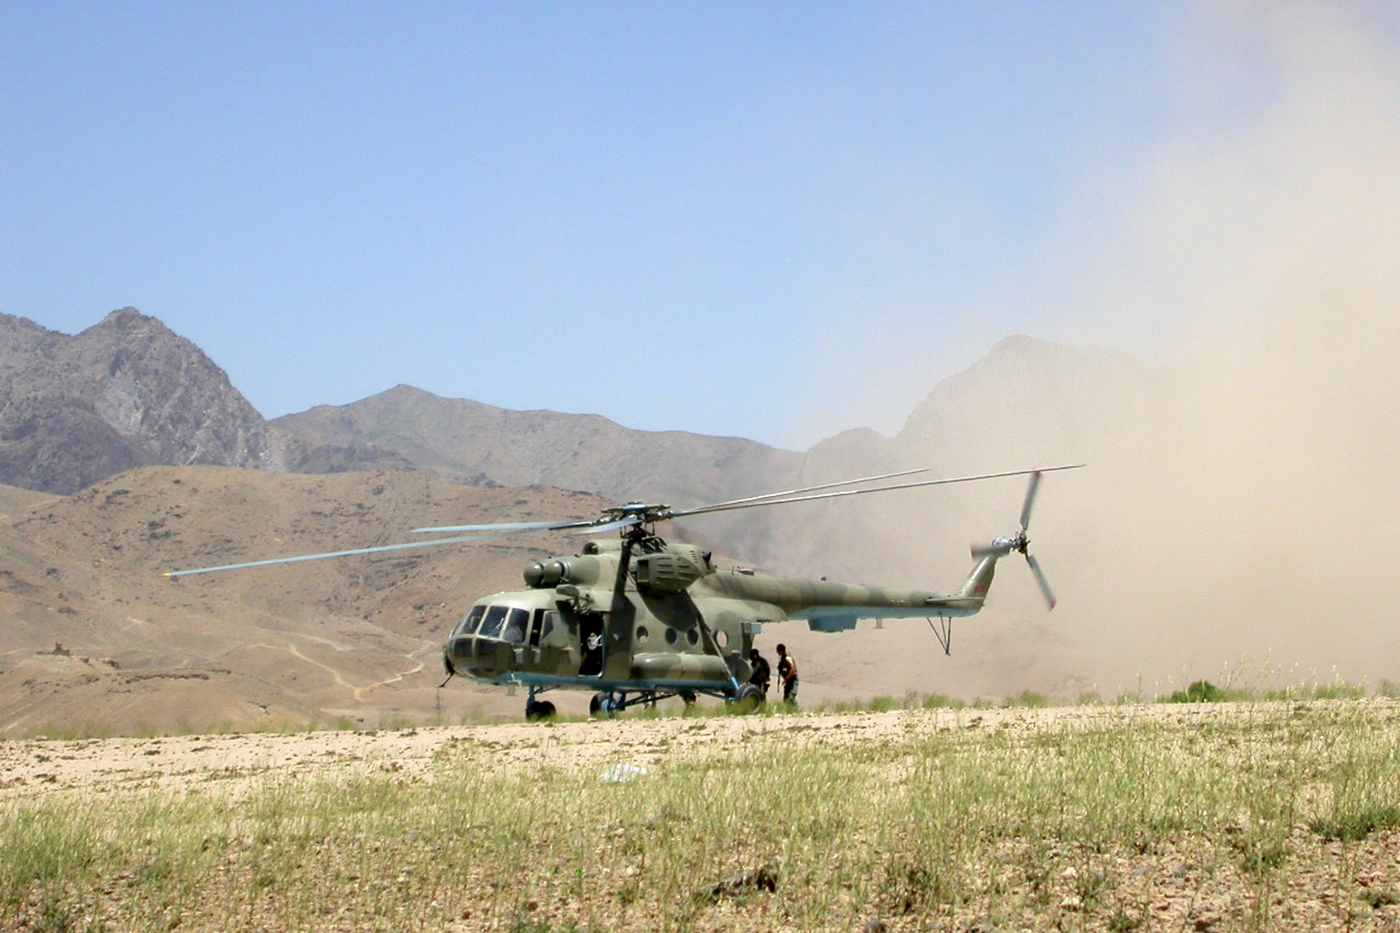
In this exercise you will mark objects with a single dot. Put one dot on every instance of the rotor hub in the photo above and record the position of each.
(637, 512)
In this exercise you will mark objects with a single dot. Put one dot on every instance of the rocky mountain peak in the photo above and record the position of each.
(126, 392)
(128, 318)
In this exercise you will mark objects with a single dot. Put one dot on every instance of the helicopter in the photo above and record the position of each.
(636, 619)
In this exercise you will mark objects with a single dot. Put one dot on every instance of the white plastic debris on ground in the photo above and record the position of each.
(622, 774)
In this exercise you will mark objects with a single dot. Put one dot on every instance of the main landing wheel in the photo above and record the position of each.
(538, 710)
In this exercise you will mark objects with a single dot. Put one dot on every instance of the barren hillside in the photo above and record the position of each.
(93, 638)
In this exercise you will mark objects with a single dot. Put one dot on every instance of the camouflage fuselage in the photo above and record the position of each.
(647, 615)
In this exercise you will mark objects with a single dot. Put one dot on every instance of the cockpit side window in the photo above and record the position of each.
(541, 625)
(468, 625)
(515, 627)
(491, 625)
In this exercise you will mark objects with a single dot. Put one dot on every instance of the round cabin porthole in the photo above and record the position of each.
(722, 639)
(642, 634)
(670, 636)
(693, 637)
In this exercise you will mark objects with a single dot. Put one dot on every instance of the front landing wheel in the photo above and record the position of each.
(537, 711)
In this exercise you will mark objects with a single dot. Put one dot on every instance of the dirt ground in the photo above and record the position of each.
(1329, 885)
(43, 766)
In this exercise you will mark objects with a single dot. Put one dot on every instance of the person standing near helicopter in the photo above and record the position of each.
(762, 673)
(787, 675)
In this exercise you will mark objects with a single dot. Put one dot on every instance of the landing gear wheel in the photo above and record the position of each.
(750, 699)
(536, 711)
(601, 703)
(688, 698)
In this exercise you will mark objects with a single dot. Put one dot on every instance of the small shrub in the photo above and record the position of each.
(938, 701)
(1028, 699)
(1202, 691)
(1357, 824)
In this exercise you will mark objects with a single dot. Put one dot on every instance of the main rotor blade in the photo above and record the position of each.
(1040, 578)
(507, 527)
(350, 553)
(731, 503)
(1030, 501)
(726, 506)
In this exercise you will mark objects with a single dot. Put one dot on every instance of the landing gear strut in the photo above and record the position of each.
(537, 710)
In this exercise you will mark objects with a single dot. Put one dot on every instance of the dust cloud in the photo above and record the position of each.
(1234, 522)
(1248, 518)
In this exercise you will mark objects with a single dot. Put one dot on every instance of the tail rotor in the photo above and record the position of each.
(1021, 543)
(1050, 600)
(1030, 501)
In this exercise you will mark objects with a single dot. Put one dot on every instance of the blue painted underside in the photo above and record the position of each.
(597, 684)
(827, 620)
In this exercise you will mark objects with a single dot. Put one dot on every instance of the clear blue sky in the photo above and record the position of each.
(772, 220)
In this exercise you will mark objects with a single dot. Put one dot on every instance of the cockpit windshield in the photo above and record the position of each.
(470, 623)
(515, 627)
(504, 622)
(491, 625)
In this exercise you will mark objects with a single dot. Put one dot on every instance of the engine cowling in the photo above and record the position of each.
(547, 574)
(671, 570)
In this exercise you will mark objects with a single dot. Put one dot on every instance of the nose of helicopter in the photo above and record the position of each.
(477, 656)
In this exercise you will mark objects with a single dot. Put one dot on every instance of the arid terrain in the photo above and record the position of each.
(1200, 817)
(94, 641)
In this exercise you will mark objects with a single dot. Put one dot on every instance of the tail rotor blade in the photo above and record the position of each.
(1030, 501)
(1040, 578)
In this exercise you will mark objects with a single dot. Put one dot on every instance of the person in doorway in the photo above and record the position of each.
(787, 675)
(592, 633)
(762, 673)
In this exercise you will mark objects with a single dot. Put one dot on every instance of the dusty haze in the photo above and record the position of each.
(1238, 519)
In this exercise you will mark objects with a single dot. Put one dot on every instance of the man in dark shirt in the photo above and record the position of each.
(787, 675)
(762, 673)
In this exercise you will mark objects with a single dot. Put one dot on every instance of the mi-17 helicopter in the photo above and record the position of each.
(636, 620)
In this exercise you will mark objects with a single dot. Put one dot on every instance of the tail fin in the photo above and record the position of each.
(979, 581)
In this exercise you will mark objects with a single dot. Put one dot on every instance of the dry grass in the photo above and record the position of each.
(1257, 816)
